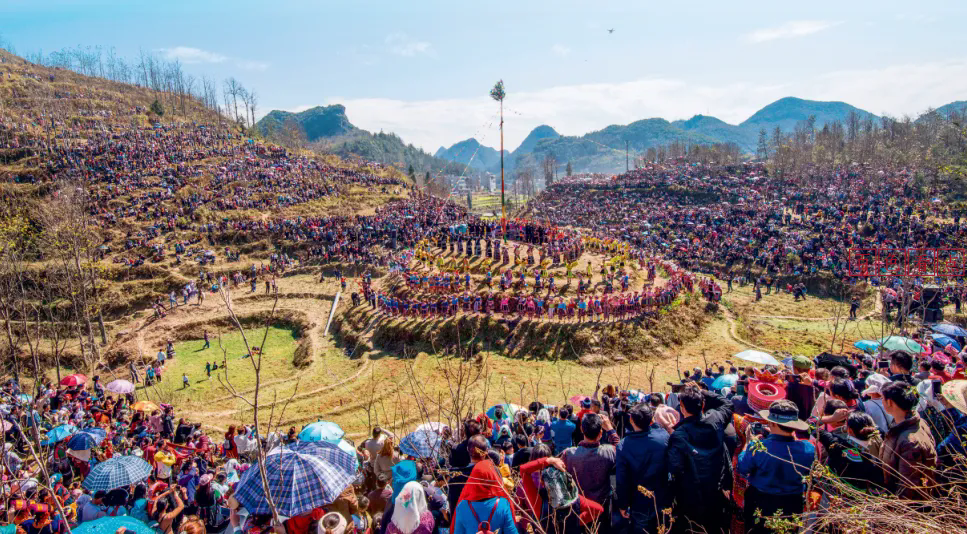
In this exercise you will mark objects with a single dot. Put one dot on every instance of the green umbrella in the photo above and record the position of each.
(900, 343)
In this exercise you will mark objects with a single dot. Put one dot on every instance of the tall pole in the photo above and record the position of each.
(498, 94)
(503, 213)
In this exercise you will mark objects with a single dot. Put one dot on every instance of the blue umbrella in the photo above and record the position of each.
(322, 431)
(110, 525)
(725, 381)
(421, 444)
(942, 341)
(58, 433)
(866, 345)
(301, 477)
(949, 329)
(86, 439)
(117, 472)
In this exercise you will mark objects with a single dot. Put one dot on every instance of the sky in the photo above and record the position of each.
(423, 68)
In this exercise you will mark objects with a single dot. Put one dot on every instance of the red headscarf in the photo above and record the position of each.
(484, 483)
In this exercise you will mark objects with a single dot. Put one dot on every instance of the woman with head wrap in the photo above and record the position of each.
(483, 500)
(411, 514)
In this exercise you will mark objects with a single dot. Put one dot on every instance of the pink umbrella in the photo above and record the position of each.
(73, 380)
(120, 386)
(577, 399)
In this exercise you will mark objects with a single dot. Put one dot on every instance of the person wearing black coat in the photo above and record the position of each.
(698, 461)
(641, 462)
(848, 455)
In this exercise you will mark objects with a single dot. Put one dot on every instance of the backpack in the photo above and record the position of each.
(483, 527)
(562, 492)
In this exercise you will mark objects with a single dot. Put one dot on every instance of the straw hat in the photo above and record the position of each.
(955, 392)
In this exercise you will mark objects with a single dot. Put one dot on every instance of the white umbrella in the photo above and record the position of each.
(757, 356)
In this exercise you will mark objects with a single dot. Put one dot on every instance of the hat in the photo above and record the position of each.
(205, 479)
(955, 391)
(874, 383)
(586, 403)
(801, 363)
(403, 472)
(783, 414)
(666, 416)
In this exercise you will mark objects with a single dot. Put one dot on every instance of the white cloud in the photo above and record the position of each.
(561, 50)
(403, 45)
(789, 30)
(578, 109)
(251, 65)
(189, 55)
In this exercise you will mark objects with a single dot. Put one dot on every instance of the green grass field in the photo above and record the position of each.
(191, 357)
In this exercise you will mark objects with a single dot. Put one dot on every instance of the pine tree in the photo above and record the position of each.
(568, 170)
(762, 151)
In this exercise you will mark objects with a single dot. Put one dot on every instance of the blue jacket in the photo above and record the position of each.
(777, 464)
(502, 520)
(562, 430)
(641, 462)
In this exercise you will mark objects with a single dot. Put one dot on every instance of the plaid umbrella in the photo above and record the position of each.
(301, 477)
(117, 472)
(86, 439)
(110, 525)
(322, 431)
(421, 444)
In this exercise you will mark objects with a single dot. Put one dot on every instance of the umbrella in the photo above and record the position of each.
(120, 386)
(23, 398)
(509, 410)
(866, 345)
(943, 341)
(348, 447)
(117, 472)
(433, 425)
(725, 381)
(59, 433)
(578, 399)
(301, 477)
(86, 439)
(110, 525)
(900, 343)
(145, 406)
(949, 329)
(757, 356)
(73, 380)
(322, 431)
(422, 444)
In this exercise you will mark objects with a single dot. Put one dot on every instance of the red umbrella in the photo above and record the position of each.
(73, 380)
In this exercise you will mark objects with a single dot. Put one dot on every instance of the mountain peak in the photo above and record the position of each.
(316, 122)
(787, 112)
(537, 134)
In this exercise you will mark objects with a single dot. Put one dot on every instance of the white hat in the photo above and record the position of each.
(874, 383)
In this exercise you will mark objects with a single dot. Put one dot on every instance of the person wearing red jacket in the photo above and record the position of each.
(533, 505)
